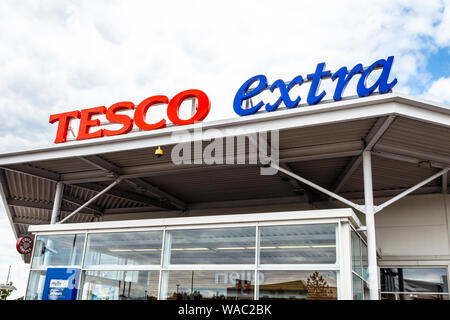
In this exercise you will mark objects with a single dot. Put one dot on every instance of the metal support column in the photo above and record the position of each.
(57, 202)
(370, 223)
(91, 200)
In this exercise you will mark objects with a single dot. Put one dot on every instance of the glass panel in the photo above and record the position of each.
(120, 285)
(297, 285)
(208, 285)
(58, 250)
(356, 253)
(413, 296)
(298, 244)
(414, 280)
(388, 296)
(123, 248)
(212, 246)
(357, 285)
(366, 291)
(35, 285)
(365, 261)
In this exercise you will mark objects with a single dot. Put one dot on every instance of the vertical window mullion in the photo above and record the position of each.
(163, 254)
(256, 285)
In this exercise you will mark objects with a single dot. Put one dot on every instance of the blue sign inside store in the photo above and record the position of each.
(315, 95)
(61, 284)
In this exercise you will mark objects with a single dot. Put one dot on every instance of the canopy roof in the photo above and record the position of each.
(321, 143)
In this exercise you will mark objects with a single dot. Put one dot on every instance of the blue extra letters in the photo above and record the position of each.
(343, 77)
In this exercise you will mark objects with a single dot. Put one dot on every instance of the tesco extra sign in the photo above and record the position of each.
(139, 117)
(343, 77)
(87, 128)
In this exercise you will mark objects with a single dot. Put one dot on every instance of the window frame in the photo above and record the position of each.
(254, 267)
(428, 264)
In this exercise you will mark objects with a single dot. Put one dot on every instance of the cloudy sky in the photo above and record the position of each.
(61, 55)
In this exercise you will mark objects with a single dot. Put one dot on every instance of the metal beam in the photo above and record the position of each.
(90, 200)
(102, 164)
(132, 210)
(323, 151)
(319, 188)
(377, 131)
(412, 189)
(130, 196)
(141, 171)
(370, 224)
(57, 202)
(113, 170)
(145, 186)
(76, 201)
(380, 127)
(245, 203)
(409, 152)
(298, 186)
(444, 183)
(408, 159)
(351, 167)
(389, 192)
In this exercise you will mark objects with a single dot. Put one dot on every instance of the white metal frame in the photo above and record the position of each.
(339, 217)
(362, 238)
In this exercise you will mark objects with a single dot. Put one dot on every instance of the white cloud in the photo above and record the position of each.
(439, 90)
(60, 55)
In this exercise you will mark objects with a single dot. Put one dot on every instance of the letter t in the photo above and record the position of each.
(63, 125)
(315, 83)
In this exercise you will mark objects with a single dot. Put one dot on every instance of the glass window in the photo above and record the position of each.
(297, 285)
(298, 244)
(123, 248)
(357, 286)
(35, 285)
(414, 280)
(212, 246)
(413, 296)
(58, 250)
(356, 253)
(365, 261)
(208, 285)
(120, 285)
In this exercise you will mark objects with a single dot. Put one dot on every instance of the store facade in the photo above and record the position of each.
(285, 255)
(349, 199)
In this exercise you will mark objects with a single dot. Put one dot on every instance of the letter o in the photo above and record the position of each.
(202, 110)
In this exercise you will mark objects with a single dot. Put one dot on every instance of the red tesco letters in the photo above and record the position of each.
(173, 108)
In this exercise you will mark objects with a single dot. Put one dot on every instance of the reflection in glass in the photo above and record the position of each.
(120, 285)
(414, 280)
(365, 261)
(366, 291)
(123, 248)
(357, 287)
(208, 285)
(356, 253)
(298, 244)
(212, 246)
(413, 296)
(297, 285)
(58, 250)
(35, 285)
